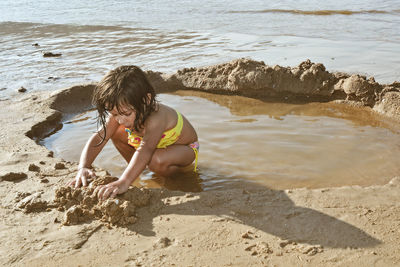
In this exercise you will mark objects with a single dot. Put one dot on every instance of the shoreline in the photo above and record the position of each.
(252, 226)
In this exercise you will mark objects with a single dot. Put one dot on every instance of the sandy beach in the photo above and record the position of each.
(45, 223)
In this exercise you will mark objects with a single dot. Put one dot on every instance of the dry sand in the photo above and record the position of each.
(45, 223)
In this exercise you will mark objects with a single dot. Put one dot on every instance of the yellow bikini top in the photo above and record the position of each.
(168, 138)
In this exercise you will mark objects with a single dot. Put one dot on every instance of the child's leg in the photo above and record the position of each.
(120, 141)
(166, 161)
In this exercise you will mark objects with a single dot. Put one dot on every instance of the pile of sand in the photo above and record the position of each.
(82, 204)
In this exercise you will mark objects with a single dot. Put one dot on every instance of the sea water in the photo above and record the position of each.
(96, 36)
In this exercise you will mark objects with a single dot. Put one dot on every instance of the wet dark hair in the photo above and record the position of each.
(128, 86)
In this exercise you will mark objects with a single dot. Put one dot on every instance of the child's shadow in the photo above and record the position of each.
(270, 211)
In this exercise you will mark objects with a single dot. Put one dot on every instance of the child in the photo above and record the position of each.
(144, 131)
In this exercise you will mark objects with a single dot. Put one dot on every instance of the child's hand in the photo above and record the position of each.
(111, 189)
(82, 177)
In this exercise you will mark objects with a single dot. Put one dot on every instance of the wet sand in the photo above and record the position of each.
(44, 224)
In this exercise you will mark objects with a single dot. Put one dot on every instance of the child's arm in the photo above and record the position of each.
(91, 151)
(154, 129)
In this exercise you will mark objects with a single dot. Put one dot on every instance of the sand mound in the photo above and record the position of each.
(82, 204)
(13, 176)
(306, 82)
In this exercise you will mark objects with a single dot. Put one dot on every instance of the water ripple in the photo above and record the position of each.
(317, 12)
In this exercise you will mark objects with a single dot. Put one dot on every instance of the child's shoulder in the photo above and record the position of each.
(164, 111)
(163, 116)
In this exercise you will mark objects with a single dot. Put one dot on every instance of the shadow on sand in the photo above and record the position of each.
(270, 211)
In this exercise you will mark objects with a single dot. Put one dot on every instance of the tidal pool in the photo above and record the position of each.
(275, 145)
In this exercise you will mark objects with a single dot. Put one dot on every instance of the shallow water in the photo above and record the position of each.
(276, 145)
(94, 37)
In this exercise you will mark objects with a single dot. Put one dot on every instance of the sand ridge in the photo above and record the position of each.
(45, 223)
(306, 82)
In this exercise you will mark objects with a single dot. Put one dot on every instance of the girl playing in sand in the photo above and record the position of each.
(144, 131)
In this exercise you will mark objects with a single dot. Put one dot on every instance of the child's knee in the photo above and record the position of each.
(158, 165)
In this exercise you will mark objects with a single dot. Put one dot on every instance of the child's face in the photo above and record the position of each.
(125, 117)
